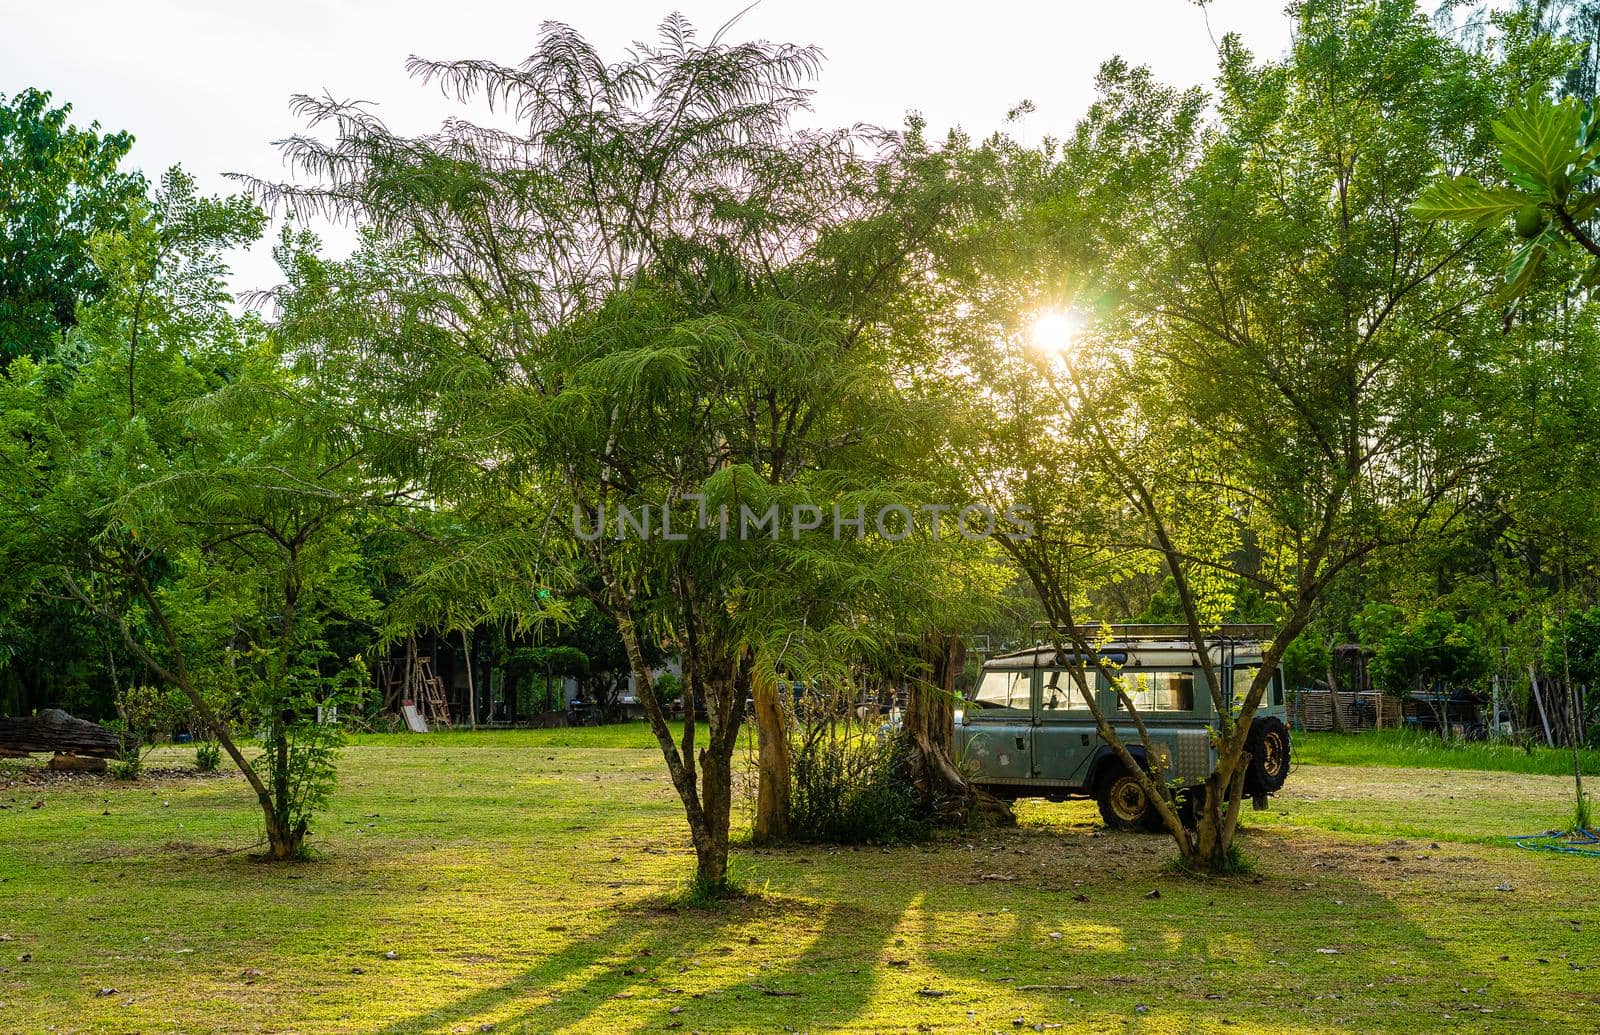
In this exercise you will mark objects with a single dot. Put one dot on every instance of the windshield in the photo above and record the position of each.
(1004, 690)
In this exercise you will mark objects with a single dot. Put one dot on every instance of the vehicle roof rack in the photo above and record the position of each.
(1129, 633)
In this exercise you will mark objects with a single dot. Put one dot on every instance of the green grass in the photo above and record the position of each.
(524, 881)
(1422, 750)
(628, 735)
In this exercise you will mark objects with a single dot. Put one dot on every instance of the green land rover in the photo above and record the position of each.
(1026, 732)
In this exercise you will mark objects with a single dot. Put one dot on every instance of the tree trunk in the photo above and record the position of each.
(707, 795)
(929, 721)
(1333, 691)
(773, 759)
(1210, 847)
(472, 693)
(716, 796)
(1577, 744)
(929, 729)
(1544, 720)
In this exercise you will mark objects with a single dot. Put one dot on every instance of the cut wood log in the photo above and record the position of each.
(67, 762)
(54, 730)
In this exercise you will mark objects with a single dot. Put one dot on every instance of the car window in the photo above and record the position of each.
(1005, 690)
(1158, 691)
(1061, 691)
(1244, 675)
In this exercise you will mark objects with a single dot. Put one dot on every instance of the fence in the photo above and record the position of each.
(1313, 710)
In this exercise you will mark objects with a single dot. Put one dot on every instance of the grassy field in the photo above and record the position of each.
(520, 881)
(1426, 751)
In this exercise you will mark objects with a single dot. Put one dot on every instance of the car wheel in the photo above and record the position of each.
(1123, 802)
(1268, 744)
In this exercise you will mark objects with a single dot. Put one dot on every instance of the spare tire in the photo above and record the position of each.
(1268, 744)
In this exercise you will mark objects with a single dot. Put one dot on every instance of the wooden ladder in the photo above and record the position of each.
(437, 709)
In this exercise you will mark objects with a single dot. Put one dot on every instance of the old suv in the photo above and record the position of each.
(1027, 733)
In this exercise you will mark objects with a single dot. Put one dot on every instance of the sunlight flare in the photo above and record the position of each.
(1054, 331)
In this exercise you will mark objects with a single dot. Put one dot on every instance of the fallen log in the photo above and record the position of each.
(56, 731)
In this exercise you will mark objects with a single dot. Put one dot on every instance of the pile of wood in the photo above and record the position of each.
(75, 743)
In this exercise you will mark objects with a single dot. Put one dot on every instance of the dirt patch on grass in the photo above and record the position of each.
(1423, 787)
(33, 775)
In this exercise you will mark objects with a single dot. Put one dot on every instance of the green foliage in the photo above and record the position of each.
(1429, 651)
(1233, 863)
(1549, 151)
(668, 687)
(62, 187)
(1466, 200)
(1572, 646)
(126, 766)
(169, 474)
(854, 789)
(207, 756)
(1306, 660)
(301, 765)
(1582, 820)
(696, 893)
(148, 714)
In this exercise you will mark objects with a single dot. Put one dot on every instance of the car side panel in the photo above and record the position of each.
(1064, 748)
(999, 749)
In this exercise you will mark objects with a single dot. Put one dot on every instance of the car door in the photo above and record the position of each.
(1065, 737)
(999, 734)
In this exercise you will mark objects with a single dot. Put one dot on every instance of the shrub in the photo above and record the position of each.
(852, 787)
(127, 765)
(129, 759)
(207, 756)
(668, 687)
(1582, 816)
(151, 713)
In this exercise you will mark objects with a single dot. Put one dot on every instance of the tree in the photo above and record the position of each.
(1549, 154)
(1430, 654)
(173, 481)
(651, 298)
(59, 186)
(1266, 387)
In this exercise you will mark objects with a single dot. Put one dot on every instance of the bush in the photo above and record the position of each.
(850, 787)
(129, 759)
(126, 766)
(668, 687)
(207, 756)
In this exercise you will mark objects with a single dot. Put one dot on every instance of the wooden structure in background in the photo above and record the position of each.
(1312, 709)
(411, 680)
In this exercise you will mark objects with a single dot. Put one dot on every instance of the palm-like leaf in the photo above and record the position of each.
(1463, 199)
(1539, 141)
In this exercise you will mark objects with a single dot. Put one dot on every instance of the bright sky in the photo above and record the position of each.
(206, 83)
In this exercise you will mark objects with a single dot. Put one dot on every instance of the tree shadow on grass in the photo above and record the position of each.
(646, 951)
(590, 968)
(831, 980)
(1313, 942)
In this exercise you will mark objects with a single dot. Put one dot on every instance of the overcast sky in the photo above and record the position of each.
(206, 83)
